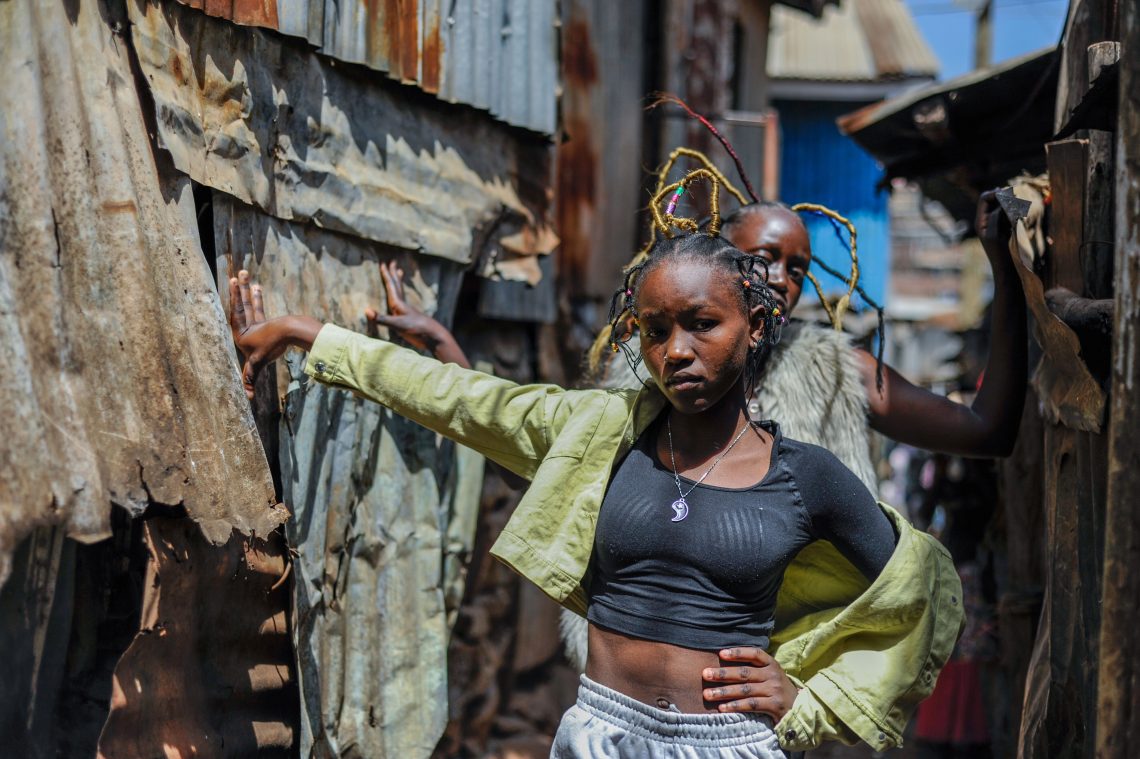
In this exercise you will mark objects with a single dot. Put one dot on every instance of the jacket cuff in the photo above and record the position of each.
(327, 354)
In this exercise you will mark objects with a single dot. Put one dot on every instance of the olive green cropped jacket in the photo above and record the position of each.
(863, 653)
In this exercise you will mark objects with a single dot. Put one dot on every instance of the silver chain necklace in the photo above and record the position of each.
(681, 506)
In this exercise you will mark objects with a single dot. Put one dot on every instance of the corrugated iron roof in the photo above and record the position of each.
(858, 41)
(116, 372)
(498, 55)
(962, 136)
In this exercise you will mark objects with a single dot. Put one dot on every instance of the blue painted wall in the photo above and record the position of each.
(820, 165)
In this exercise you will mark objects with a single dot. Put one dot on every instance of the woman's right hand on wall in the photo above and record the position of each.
(260, 340)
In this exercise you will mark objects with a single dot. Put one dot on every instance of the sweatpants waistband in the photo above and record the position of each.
(710, 730)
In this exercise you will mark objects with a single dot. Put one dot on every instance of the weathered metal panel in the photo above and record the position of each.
(284, 130)
(36, 607)
(497, 55)
(116, 368)
(383, 511)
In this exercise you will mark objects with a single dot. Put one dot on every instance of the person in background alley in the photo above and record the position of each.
(681, 598)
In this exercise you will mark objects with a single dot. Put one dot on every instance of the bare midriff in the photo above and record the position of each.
(658, 674)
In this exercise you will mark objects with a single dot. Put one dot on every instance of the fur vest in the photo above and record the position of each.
(811, 385)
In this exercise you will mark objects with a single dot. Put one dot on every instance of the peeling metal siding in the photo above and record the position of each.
(383, 510)
(116, 371)
(248, 114)
(497, 55)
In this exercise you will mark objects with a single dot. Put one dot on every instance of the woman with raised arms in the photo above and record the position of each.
(667, 517)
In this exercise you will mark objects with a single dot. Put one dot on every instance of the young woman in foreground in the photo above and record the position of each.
(668, 518)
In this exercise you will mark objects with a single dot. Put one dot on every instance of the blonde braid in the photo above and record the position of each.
(835, 314)
(665, 221)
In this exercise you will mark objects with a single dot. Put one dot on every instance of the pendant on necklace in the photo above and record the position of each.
(680, 510)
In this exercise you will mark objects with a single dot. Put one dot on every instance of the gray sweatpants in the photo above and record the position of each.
(605, 724)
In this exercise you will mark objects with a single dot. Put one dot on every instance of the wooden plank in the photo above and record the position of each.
(1080, 175)
(1067, 160)
(1118, 713)
(1096, 252)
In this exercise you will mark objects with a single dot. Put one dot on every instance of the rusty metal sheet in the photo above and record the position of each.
(244, 112)
(599, 171)
(116, 369)
(210, 672)
(384, 510)
(497, 55)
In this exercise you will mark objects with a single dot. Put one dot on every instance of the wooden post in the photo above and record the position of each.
(984, 35)
(1118, 713)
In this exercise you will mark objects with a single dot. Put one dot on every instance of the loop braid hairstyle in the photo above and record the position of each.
(749, 273)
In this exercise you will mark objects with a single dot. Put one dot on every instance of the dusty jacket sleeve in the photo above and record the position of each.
(508, 423)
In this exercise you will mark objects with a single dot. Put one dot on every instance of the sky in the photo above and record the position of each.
(1020, 26)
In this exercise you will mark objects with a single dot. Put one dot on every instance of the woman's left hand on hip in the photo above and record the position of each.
(758, 685)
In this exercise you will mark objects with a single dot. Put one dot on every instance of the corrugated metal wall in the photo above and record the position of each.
(319, 171)
(819, 165)
(496, 55)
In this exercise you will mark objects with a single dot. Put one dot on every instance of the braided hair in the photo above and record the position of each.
(839, 224)
(699, 244)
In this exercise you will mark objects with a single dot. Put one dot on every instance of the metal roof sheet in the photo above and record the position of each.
(284, 130)
(858, 41)
(962, 136)
(497, 55)
(116, 372)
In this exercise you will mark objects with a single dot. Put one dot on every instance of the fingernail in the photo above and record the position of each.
(707, 673)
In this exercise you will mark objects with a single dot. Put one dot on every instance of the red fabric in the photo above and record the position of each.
(954, 713)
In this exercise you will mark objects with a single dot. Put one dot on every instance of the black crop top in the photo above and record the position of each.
(710, 580)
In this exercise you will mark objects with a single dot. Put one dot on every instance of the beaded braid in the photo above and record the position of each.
(661, 98)
(835, 313)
